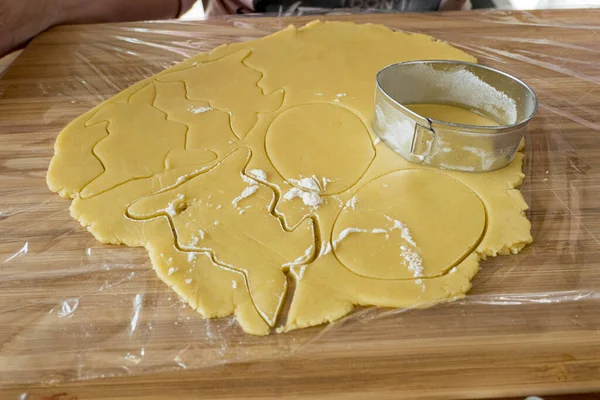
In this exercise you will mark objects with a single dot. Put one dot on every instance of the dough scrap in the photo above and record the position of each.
(257, 160)
(228, 214)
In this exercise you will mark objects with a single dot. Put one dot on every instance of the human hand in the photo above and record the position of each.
(20, 21)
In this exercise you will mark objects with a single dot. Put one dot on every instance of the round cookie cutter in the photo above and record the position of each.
(447, 145)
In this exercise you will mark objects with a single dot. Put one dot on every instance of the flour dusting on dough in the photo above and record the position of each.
(309, 191)
(325, 248)
(352, 202)
(301, 272)
(171, 210)
(199, 110)
(302, 259)
(311, 199)
(249, 181)
(344, 234)
(383, 231)
(176, 205)
(311, 183)
(247, 192)
(404, 232)
(259, 174)
(413, 260)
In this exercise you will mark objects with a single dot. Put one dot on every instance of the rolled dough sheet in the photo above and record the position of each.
(257, 160)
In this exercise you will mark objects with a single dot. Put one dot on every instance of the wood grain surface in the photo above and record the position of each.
(81, 320)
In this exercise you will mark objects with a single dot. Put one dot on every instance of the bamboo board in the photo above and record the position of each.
(93, 321)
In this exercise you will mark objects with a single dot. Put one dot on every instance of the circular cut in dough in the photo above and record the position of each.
(408, 224)
(320, 140)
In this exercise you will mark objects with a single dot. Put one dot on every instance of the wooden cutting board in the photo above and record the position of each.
(81, 320)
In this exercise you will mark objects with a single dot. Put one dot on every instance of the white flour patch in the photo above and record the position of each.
(325, 248)
(457, 167)
(475, 150)
(381, 231)
(404, 232)
(413, 261)
(174, 207)
(293, 193)
(421, 283)
(411, 257)
(344, 234)
(302, 259)
(309, 190)
(310, 199)
(301, 272)
(398, 133)
(258, 174)
(352, 202)
(312, 183)
(463, 86)
(247, 192)
(248, 180)
(199, 110)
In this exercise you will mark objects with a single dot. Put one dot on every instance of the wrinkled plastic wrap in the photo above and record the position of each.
(72, 308)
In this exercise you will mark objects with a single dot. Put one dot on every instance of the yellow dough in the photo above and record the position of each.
(254, 164)
(372, 238)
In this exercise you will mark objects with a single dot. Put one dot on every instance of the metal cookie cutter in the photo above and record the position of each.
(447, 145)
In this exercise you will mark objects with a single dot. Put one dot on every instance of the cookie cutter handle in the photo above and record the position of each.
(422, 143)
(413, 138)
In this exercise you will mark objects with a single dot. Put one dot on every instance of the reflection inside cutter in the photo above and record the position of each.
(452, 113)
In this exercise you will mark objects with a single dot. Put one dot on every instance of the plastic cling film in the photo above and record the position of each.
(73, 309)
